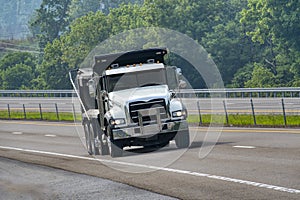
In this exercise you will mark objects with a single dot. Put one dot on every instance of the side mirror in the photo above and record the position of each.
(182, 84)
(104, 96)
(178, 71)
(173, 94)
(92, 88)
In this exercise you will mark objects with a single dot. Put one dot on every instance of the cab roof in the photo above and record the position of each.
(103, 62)
(134, 68)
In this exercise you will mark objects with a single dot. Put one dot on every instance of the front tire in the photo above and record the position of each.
(114, 150)
(182, 139)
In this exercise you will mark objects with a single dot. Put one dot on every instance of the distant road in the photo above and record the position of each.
(64, 104)
(244, 163)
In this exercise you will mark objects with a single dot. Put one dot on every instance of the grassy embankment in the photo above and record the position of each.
(247, 120)
(50, 116)
(233, 119)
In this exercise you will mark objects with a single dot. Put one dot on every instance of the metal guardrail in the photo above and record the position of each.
(243, 92)
(261, 111)
(200, 93)
(39, 111)
(257, 111)
(36, 93)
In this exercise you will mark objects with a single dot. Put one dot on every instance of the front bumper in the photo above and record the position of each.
(147, 131)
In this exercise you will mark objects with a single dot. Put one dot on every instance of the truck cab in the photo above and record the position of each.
(132, 102)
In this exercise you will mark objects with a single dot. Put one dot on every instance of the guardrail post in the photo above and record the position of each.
(41, 113)
(225, 110)
(74, 113)
(24, 111)
(200, 117)
(56, 108)
(8, 110)
(283, 111)
(253, 112)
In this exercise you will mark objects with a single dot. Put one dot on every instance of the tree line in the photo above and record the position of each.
(254, 43)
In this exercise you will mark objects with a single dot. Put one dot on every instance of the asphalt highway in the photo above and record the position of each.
(21, 180)
(233, 163)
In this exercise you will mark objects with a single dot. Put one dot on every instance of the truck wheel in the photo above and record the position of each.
(94, 148)
(87, 137)
(182, 139)
(114, 150)
(104, 145)
(104, 150)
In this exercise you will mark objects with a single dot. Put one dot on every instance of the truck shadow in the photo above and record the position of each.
(170, 147)
(200, 144)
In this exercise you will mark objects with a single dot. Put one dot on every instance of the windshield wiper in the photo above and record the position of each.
(150, 84)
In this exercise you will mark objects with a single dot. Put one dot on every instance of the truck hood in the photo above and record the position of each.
(140, 94)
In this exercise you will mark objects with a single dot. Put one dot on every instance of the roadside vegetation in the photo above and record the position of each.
(254, 43)
(48, 116)
(246, 120)
(206, 119)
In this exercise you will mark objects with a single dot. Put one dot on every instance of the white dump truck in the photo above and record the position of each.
(129, 99)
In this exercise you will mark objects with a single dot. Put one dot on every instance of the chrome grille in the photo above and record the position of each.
(147, 107)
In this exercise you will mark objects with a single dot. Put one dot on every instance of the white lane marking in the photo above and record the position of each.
(178, 171)
(244, 147)
(50, 135)
(17, 133)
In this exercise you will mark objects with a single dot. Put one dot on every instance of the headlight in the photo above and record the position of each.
(117, 121)
(179, 113)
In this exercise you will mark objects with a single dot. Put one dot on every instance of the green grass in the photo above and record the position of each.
(246, 120)
(50, 116)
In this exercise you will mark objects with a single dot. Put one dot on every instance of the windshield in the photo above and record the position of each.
(136, 79)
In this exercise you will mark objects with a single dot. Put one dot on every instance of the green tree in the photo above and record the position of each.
(14, 58)
(237, 34)
(68, 51)
(53, 69)
(274, 24)
(14, 63)
(80, 8)
(18, 76)
(261, 77)
(85, 33)
(50, 20)
(228, 44)
(243, 75)
(277, 19)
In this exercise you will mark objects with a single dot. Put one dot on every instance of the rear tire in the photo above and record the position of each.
(87, 137)
(93, 135)
(104, 147)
